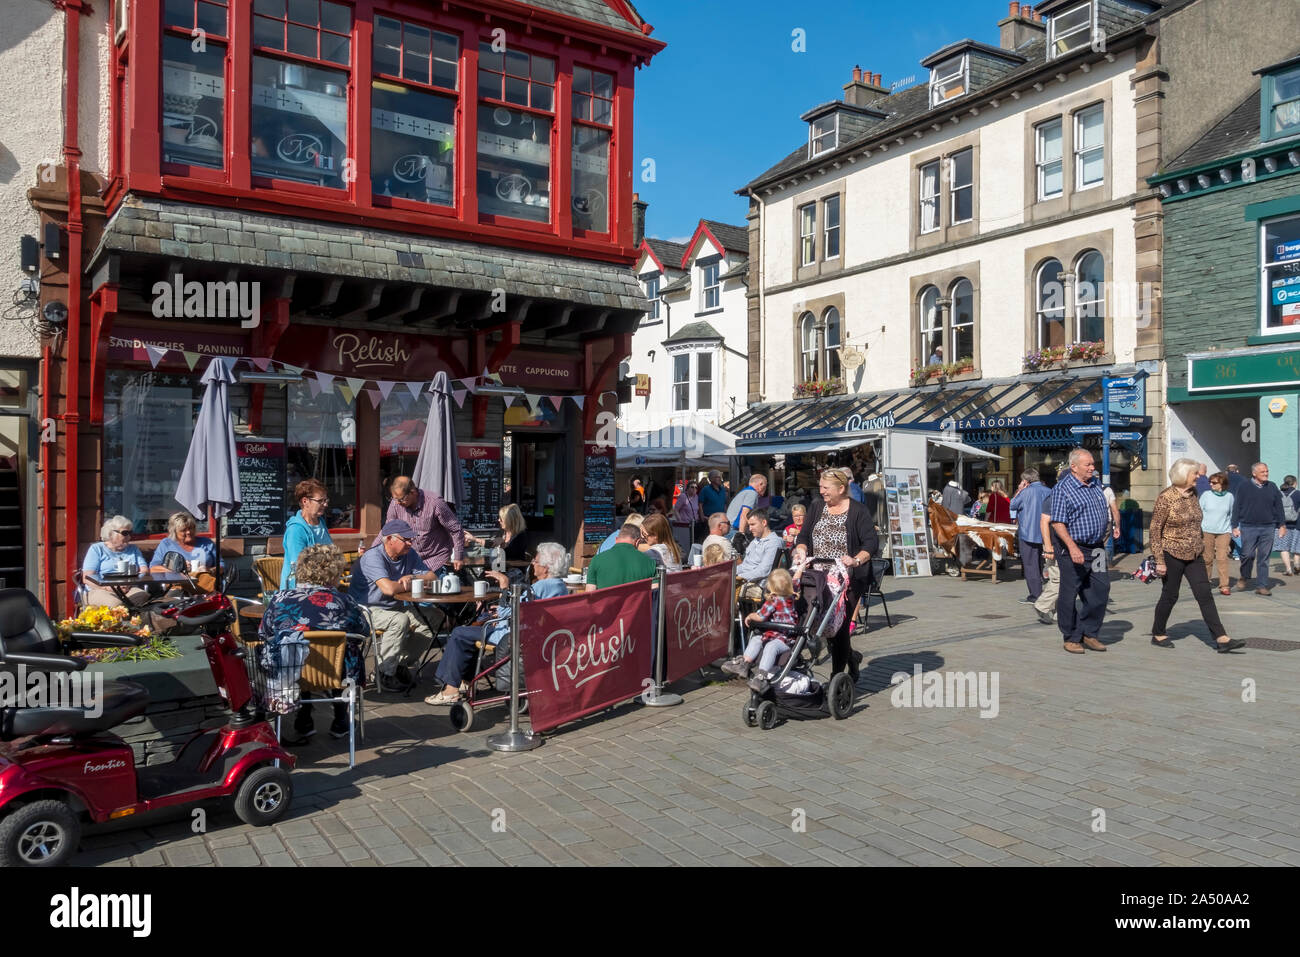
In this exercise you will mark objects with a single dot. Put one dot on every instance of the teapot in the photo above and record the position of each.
(449, 584)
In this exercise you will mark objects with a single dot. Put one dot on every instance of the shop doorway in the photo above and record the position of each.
(538, 481)
(18, 460)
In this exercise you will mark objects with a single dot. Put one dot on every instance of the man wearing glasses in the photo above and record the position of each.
(382, 573)
(438, 535)
(306, 527)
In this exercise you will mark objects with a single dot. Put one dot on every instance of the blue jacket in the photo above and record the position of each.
(297, 536)
(1028, 506)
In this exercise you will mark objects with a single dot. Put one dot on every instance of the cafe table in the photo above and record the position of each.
(456, 608)
(121, 585)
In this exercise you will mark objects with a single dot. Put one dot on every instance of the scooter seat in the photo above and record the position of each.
(120, 701)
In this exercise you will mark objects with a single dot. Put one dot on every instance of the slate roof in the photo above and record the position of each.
(677, 285)
(904, 107)
(740, 269)
(669, 253)
(213, 235)
(733, 238)
(693, 331)
(1236, 133)
(594, 11)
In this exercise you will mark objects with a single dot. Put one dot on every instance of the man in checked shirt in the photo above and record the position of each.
(1081, 523)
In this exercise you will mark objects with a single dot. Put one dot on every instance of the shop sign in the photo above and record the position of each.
(1288, 250)
(856, 423)
(642, 384)
(1286, 290)
(1247, 370)
(541, 370)
(127, 344)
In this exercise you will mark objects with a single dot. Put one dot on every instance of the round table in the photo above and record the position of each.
(456, 605)
(462, 597)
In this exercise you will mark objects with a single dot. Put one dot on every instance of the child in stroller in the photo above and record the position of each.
(779, 607)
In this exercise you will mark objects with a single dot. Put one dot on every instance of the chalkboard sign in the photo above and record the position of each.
(598, 492)
(481, 477)
(262, 490)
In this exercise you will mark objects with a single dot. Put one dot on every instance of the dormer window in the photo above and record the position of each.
(1071, 30)
(949, 79)
(1281, 104)
(823, 134)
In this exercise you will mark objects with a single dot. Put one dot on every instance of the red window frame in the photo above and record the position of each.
(454, 211)
(189, 34)
(592, 98)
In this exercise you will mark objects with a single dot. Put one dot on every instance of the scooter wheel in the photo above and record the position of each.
(767, 715)
(462, 716)
(264, 796)
(841, 696)
(749, 715)
(40, 834)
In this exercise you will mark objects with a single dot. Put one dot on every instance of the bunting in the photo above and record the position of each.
(190, 359)
(260, 364)
(374, 397)
(459, 396)
(385, 387)
(356, 385)
(415, 388)
(156, 354)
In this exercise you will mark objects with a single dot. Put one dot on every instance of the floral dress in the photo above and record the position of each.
(303, 608)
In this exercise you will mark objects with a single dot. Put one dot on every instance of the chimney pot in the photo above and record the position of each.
(1014, 10)
(879, 76)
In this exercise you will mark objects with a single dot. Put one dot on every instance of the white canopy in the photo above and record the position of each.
(965, 449)
(695, 444)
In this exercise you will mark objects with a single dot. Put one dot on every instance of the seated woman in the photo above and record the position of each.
(513, 526)
(183, 540)
(798, 514)
(103, 556)
(659, 542)
(458, 657)
(315, 604)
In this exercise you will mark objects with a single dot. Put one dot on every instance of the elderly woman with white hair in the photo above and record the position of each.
(184, 541)
(549, 568)
(102, 558)
(1178, 546)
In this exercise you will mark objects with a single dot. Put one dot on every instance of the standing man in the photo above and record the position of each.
(740, 507)
(382, 573)
(1080, 526)
(1258, 518)
(1202, 479)
(1047, 600)
(713, 495)
(1235, 479)
(955, 498)
(1028, 506)
(438, 535)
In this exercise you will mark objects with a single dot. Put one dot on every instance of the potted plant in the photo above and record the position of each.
(816, 388)
(1085, 351)
(1043, 358)
(960, 367)
(120, 621)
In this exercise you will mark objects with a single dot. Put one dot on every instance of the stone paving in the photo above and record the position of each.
(1160, 742)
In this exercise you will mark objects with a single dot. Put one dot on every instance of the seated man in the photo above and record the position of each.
(549, 569)
(380, 574)
(720, 534)
(761, 554)
(621, 564)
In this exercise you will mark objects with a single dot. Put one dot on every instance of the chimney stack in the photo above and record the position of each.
(639, 207)
(864, 88)
(1021, 26)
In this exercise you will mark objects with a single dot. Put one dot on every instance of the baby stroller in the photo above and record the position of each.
(794, 692)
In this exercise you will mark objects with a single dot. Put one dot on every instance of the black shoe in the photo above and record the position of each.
(339, 729)
(404, 675)
(1223, 647)
(1027, 600)
(393, 684)
(855, 660)
(301, 738)
(1044, 618)
(1161, 644)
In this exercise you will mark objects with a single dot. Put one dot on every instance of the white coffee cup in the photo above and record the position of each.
(417, 587)
(697, 561)
(123, 566)
(196, 566)
(480, 589)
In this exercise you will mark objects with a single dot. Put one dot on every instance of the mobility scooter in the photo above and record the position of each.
(60, 767)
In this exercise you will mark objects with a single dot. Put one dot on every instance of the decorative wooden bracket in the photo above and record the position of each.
(103, 306)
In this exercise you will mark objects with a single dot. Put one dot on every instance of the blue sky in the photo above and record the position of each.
(722, 102)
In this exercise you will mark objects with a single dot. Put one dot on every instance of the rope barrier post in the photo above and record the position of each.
(654, 696)
(514, 739)
(739, 631)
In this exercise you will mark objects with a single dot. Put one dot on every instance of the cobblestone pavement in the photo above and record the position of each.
(1162, 742)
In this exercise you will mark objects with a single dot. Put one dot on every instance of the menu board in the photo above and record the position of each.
(261, 488)
(482, 481)
(598, 492)
(908, 521)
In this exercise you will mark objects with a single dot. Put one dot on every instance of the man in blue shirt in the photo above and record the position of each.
(1028, 506)
(380, 575)
(740, 507)
(713, 494)
(761, 554)
(1081, 523)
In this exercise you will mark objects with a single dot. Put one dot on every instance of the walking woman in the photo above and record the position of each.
(1216, 529)
(1178, 544)
(1289, 543)
(839, 528)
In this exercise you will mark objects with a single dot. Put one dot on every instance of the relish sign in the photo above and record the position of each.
(585, 652)
(697, 618)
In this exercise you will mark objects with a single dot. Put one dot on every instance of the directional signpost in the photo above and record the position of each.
(1130, 388)
(1126, 436)
(1085, 430)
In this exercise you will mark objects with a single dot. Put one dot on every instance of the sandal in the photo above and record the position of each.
(1225, 590)
(442, 699)
(1162, 641)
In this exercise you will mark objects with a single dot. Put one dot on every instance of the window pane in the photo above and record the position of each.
(322, 444)
(1286, 116)
(388, 42)
(336, 17)
(1051, 305)
(1286, 86)
(516, 64)
(297, 136)
(516, 91)
(603, 112)
(302, 41)
(681, 382)
(931, 328)
(963, 205)
(963, 321)
(604, 83)
(1091, 128)
(832, 211)
(194, 99)
(962, 168)
(402, 421)
(272, 8)
(335, 49)
(412, 145)
(179, 13)
(1282, 240)
(832, 320)
(268, 33)
(929, 197)
(305, 11)
(490, 59)
(446, 60)
(581, 107)
(1049, 141)
(704, 380)
(543, 69)
(833, 243)
(543, 97)
(417, 50)
(489, 84)
(1052, 180)
(211, 18)
(590, 179)
(1092, 168)
(581, 79)
(514, 164)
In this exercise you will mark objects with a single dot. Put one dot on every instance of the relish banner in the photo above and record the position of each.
(698, 618)
(585, 652)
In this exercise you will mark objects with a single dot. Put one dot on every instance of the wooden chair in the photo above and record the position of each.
(350, 559)
(269, 569)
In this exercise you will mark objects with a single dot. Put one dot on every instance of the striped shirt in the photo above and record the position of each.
(1082, 509)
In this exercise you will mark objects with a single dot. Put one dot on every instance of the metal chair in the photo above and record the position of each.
(323, 673)
(880, 567)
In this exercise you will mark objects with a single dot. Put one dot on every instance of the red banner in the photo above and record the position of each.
(585, 652)
(697, 620)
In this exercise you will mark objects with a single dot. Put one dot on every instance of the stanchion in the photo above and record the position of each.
(514, 739)
(654, 696)
(740, 632)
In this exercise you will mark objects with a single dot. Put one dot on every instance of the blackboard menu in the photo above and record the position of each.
(598, 492)
(262, 490)
(481, 475)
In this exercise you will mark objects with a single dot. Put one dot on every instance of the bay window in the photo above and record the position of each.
(516, 102)
(593, 125)
(413, 128)
(1279, 270)
(693, 378)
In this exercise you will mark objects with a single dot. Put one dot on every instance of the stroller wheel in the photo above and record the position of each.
(523, 705)
(840, 696)
(767, 715)
(749, 715)
(462, 716)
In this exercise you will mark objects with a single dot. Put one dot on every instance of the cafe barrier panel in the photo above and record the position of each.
(585, 652)
(697, 618)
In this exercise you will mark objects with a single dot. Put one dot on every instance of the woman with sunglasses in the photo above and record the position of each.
(103, 556)
(306, 527)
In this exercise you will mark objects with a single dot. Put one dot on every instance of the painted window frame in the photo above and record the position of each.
(939, 80)
(934, 201)
(954, 189)
(653, 283)
(1040, 310)
(809, 340)
(691, 354)
(1040, 164)
(1098, 300)
(711, 289)
(807, 217)
(1082, 153)
(817, 137)
(1268, 91)
(1088, 29)
(1266, 265)
(829, 351)
(827, 229)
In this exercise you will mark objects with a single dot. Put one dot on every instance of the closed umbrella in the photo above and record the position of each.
(211, 473)
(437, 468)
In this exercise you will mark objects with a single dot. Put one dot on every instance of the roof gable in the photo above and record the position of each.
(725, 237)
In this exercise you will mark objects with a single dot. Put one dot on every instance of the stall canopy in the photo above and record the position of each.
(965, 449)
(697, 444)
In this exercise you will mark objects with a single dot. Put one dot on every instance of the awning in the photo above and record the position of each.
(700, 443)
(965, 449)
(796, 446)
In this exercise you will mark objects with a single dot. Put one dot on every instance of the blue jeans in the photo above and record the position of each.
(1256, 545)
(458, 657)
(1031, 557)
